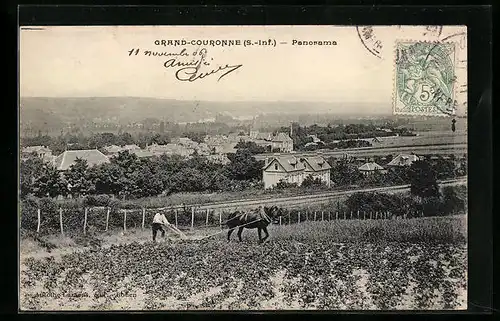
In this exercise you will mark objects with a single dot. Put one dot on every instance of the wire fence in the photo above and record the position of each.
(94, 219)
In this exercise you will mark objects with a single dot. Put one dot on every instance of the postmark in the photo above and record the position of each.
(424, 80)
(370, 40)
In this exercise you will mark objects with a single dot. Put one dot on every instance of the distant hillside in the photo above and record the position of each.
(55, 111)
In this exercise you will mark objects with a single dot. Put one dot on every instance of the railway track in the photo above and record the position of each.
(316, 198)
(455, 149)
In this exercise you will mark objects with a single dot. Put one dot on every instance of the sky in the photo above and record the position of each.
(94, 61)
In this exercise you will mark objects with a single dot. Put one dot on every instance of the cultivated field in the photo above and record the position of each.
(368, 264)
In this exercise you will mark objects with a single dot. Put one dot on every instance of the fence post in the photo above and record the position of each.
(61, 221)
(322, 215)
(351, 215)
(371, 215)
(192, 217)
(107, 218)
(298, 217)
(206, 220)
(280, 220)
(376, 215)
(358, 214)
(85, 222)
(39, 221)
(125, 221)
(364, 215)
(220, 219)
(314, 216)
(289, 218)
(176, 218)
(344, 215)
(336, 215)
(143, 217)
(329, 215)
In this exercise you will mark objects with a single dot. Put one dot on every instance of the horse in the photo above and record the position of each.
(251, 220)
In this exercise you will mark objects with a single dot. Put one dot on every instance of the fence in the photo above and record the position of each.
(87, 219)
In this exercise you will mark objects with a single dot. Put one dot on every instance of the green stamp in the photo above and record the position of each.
(424, 80)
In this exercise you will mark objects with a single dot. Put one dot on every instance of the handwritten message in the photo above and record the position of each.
(191, 66)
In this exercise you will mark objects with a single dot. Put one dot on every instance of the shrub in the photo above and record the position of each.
(284, 184)
(97, 200)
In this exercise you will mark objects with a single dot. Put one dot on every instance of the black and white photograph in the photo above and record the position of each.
(243, 168)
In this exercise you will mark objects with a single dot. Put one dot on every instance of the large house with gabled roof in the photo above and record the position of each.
(93, 157)
(294, 170)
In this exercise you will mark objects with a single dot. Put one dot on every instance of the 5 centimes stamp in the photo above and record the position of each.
(425, 78)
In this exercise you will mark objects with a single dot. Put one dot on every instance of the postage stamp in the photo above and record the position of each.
(424, 80)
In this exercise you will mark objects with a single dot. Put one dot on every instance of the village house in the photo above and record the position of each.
(112, 149)
(218, 159)
(317, 167)
(370, 168)
(131, 148)
(293, 169)
(282, 143)
(211, 140)
(170, 149)
(44, 153)
(142, 153)
(224, 149)
(93, 157)
(184, 141)
(403, 160)
(40, 151)
(254, 134)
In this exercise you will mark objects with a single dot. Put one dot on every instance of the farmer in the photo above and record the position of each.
(158, 221)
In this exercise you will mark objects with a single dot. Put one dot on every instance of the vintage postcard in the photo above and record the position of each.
(243, 168)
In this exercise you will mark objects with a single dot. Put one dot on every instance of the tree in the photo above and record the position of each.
(106, 178)
(79, 182)
(146, 183)
(252, 147)
(49, 183)
(444, 168)
(344, 173)
(198, 137)
(423, 180)
(128, 164)
(29, 170)
(188, 180)
(244, 166)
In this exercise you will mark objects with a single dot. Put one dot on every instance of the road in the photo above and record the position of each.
(295, 201)
(456, 149)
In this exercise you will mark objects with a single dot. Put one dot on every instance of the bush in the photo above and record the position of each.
(97, 200)
(284, 184)
(310, 181)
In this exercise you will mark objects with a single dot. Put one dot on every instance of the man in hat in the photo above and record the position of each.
(158, 221)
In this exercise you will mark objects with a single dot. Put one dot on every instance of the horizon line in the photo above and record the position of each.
(208, 100)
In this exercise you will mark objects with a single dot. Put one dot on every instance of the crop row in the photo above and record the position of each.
(282, 274)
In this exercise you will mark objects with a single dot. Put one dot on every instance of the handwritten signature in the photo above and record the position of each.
(190, 71)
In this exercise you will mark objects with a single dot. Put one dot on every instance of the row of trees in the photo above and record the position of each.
(345, 172)
(128, 176)
(301, 135)
(448, 201)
